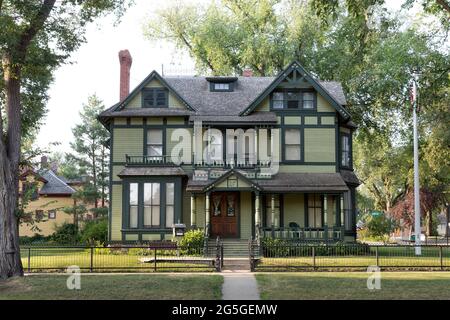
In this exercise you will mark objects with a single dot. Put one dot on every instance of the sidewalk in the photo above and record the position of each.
(239, 285)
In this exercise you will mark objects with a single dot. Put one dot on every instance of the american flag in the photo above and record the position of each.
(413, 94)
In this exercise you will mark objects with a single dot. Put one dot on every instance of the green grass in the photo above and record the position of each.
(107, 286)
(353, 285)
(59, 259)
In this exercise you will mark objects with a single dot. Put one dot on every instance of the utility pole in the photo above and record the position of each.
(417, 228)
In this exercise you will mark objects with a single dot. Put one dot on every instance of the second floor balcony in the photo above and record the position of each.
(166, 160)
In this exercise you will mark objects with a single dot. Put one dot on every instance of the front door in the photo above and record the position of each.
(224, 214)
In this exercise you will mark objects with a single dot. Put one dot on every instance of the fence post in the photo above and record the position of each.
(441, 257)
(29, 259)
(377, 257)
(154, 266)
(314, 257)
(91, 268)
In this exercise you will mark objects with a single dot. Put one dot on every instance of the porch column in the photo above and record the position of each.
(255, 156)
(325, 216)
(272, 210)
(207, 214)
(193, 212)
(342, 210)
(257, 216)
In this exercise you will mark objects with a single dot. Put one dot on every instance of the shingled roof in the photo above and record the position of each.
(194, 91)
(55, 185)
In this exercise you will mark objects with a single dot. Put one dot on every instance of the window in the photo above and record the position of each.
(308, 100)
(278, 100)
(292, 144)
(154, 98)
(155, 144)
(315, 210)
(52, 214)
(221, 86)
(345, 148)
(293, 99)
(268, 210)
(39, 215)
(30, 191)
(152, 207)
(149, 208)
(170, 203)
(215, 150)
(133, 205)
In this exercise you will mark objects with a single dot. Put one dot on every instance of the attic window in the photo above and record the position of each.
(154, 98)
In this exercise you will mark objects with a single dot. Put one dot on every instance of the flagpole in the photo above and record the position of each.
(417, 229)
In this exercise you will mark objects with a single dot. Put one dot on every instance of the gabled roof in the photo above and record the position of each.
(228, 174)
(295, 66)
(54, 185)
(153, 75)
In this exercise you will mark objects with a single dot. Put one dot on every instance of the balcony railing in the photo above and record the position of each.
(151, 160)
(206, 164)
(304, 233)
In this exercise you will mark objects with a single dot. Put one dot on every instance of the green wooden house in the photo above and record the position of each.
(238, 157)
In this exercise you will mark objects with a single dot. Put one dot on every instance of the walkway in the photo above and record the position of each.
(239, 285)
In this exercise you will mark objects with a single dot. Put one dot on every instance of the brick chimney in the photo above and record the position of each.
(125, 65)
(44, 162)
(247, 73)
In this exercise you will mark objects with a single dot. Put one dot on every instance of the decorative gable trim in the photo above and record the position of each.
(295, 66)
(152, 76)
(229, 174)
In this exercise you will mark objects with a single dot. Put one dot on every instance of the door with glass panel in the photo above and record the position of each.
(224, 214)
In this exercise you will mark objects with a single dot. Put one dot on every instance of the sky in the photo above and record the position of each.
(95, 69)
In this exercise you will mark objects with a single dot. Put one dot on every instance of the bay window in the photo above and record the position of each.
(152, 205)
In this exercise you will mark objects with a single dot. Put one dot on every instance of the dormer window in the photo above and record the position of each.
(221, 84)
(154, 98)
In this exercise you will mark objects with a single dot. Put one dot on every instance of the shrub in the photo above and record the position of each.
(95, 231)
(192, 242)
(36, 239)
(379, 227)
(67, 233)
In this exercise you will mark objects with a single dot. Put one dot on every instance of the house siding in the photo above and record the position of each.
(320, 145)
(246, 214)
(127, 141)
(294, 209)
(116, 213)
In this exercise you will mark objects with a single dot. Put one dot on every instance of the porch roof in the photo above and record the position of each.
(286, 182)
(304, 182)
(151, 171)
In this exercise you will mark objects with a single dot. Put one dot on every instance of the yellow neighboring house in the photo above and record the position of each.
(51, 195)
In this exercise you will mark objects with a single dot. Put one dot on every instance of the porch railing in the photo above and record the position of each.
(304, 233)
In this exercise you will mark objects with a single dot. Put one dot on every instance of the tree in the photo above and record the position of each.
(90, 145)
(35, 38)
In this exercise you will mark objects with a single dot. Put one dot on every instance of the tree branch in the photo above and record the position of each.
(34, 27)
(444, 5)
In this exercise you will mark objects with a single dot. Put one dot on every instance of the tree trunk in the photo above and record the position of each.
(94, 176)
(10, 262)
(429, 216)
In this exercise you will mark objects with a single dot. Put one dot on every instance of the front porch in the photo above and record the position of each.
(319, 217)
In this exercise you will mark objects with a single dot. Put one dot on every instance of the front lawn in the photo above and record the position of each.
(106, 286)
(353, 285)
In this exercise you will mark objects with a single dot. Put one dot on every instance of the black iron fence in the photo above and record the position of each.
(305, 256)
(121, 258)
